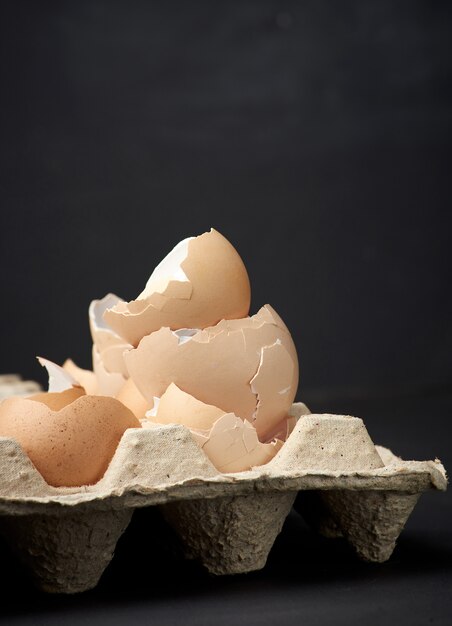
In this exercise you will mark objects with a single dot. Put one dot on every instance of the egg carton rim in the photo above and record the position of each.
(395, 475)
(134, 496)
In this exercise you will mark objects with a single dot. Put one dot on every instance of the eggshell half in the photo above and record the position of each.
(245, 366)
(202, 281)
(70, 446)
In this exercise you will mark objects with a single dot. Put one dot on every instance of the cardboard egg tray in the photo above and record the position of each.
(67, 536)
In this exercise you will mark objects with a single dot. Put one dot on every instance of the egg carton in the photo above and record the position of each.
(229, 522)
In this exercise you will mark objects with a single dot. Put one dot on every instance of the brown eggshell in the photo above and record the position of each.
(113, 359)
(110, 346)
(232, 445)
(178, 407)
(108, 383)
(216, 365)
(58, 400)
(209, 284)
(86, 378)
(71, 446)
(273, 380)
(132, 399)
(103, 336)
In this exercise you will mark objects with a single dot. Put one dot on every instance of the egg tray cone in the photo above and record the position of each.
(348, 486)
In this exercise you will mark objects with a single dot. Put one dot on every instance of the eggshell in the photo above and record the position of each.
(70, 443)
(202, 281)
(86, 378)
(108, 383)
(133, 399)
(230, 443)
(245, 366)
(109, 344)
(59, 378)
(178, 407)
(102, 335)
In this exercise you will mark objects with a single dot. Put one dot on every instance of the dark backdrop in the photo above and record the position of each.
(314, 135)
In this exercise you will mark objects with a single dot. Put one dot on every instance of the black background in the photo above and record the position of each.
(316, 136)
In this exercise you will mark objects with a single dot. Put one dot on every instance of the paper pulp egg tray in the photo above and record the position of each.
(66, 537)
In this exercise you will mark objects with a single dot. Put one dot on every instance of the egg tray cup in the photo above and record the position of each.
(349, 487)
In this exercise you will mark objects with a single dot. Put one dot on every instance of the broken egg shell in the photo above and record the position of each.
(232, 445)
(70, 446)
(133, 399)
(58, 400)
(202, 281)
(59, 378)
(216, 365)
(113, 359)
(109, 344)
(86, 378)
(177, 407)
(103, 336)
(273, 380)
(108, 383)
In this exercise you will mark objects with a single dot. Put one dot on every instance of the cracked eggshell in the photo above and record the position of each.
(86, 378)
(102, 335)
(201, 281)
(178, 407)
(109, 344)
(108, 383)
(245, 366)
(70, 441)
(58, 400)
(230, 443)
(133, 399)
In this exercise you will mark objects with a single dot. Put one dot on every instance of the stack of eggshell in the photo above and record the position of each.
(184, 352)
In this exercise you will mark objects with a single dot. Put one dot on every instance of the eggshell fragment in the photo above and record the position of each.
(216, 365)
(133, 399)
(110, 346)
(86, 378)
(178, 407)
(103, 336)
(59, 378)
(233, 445)
(273, 380)
(201, 281)
(230, 443)
(70, 443)
(108, 383)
